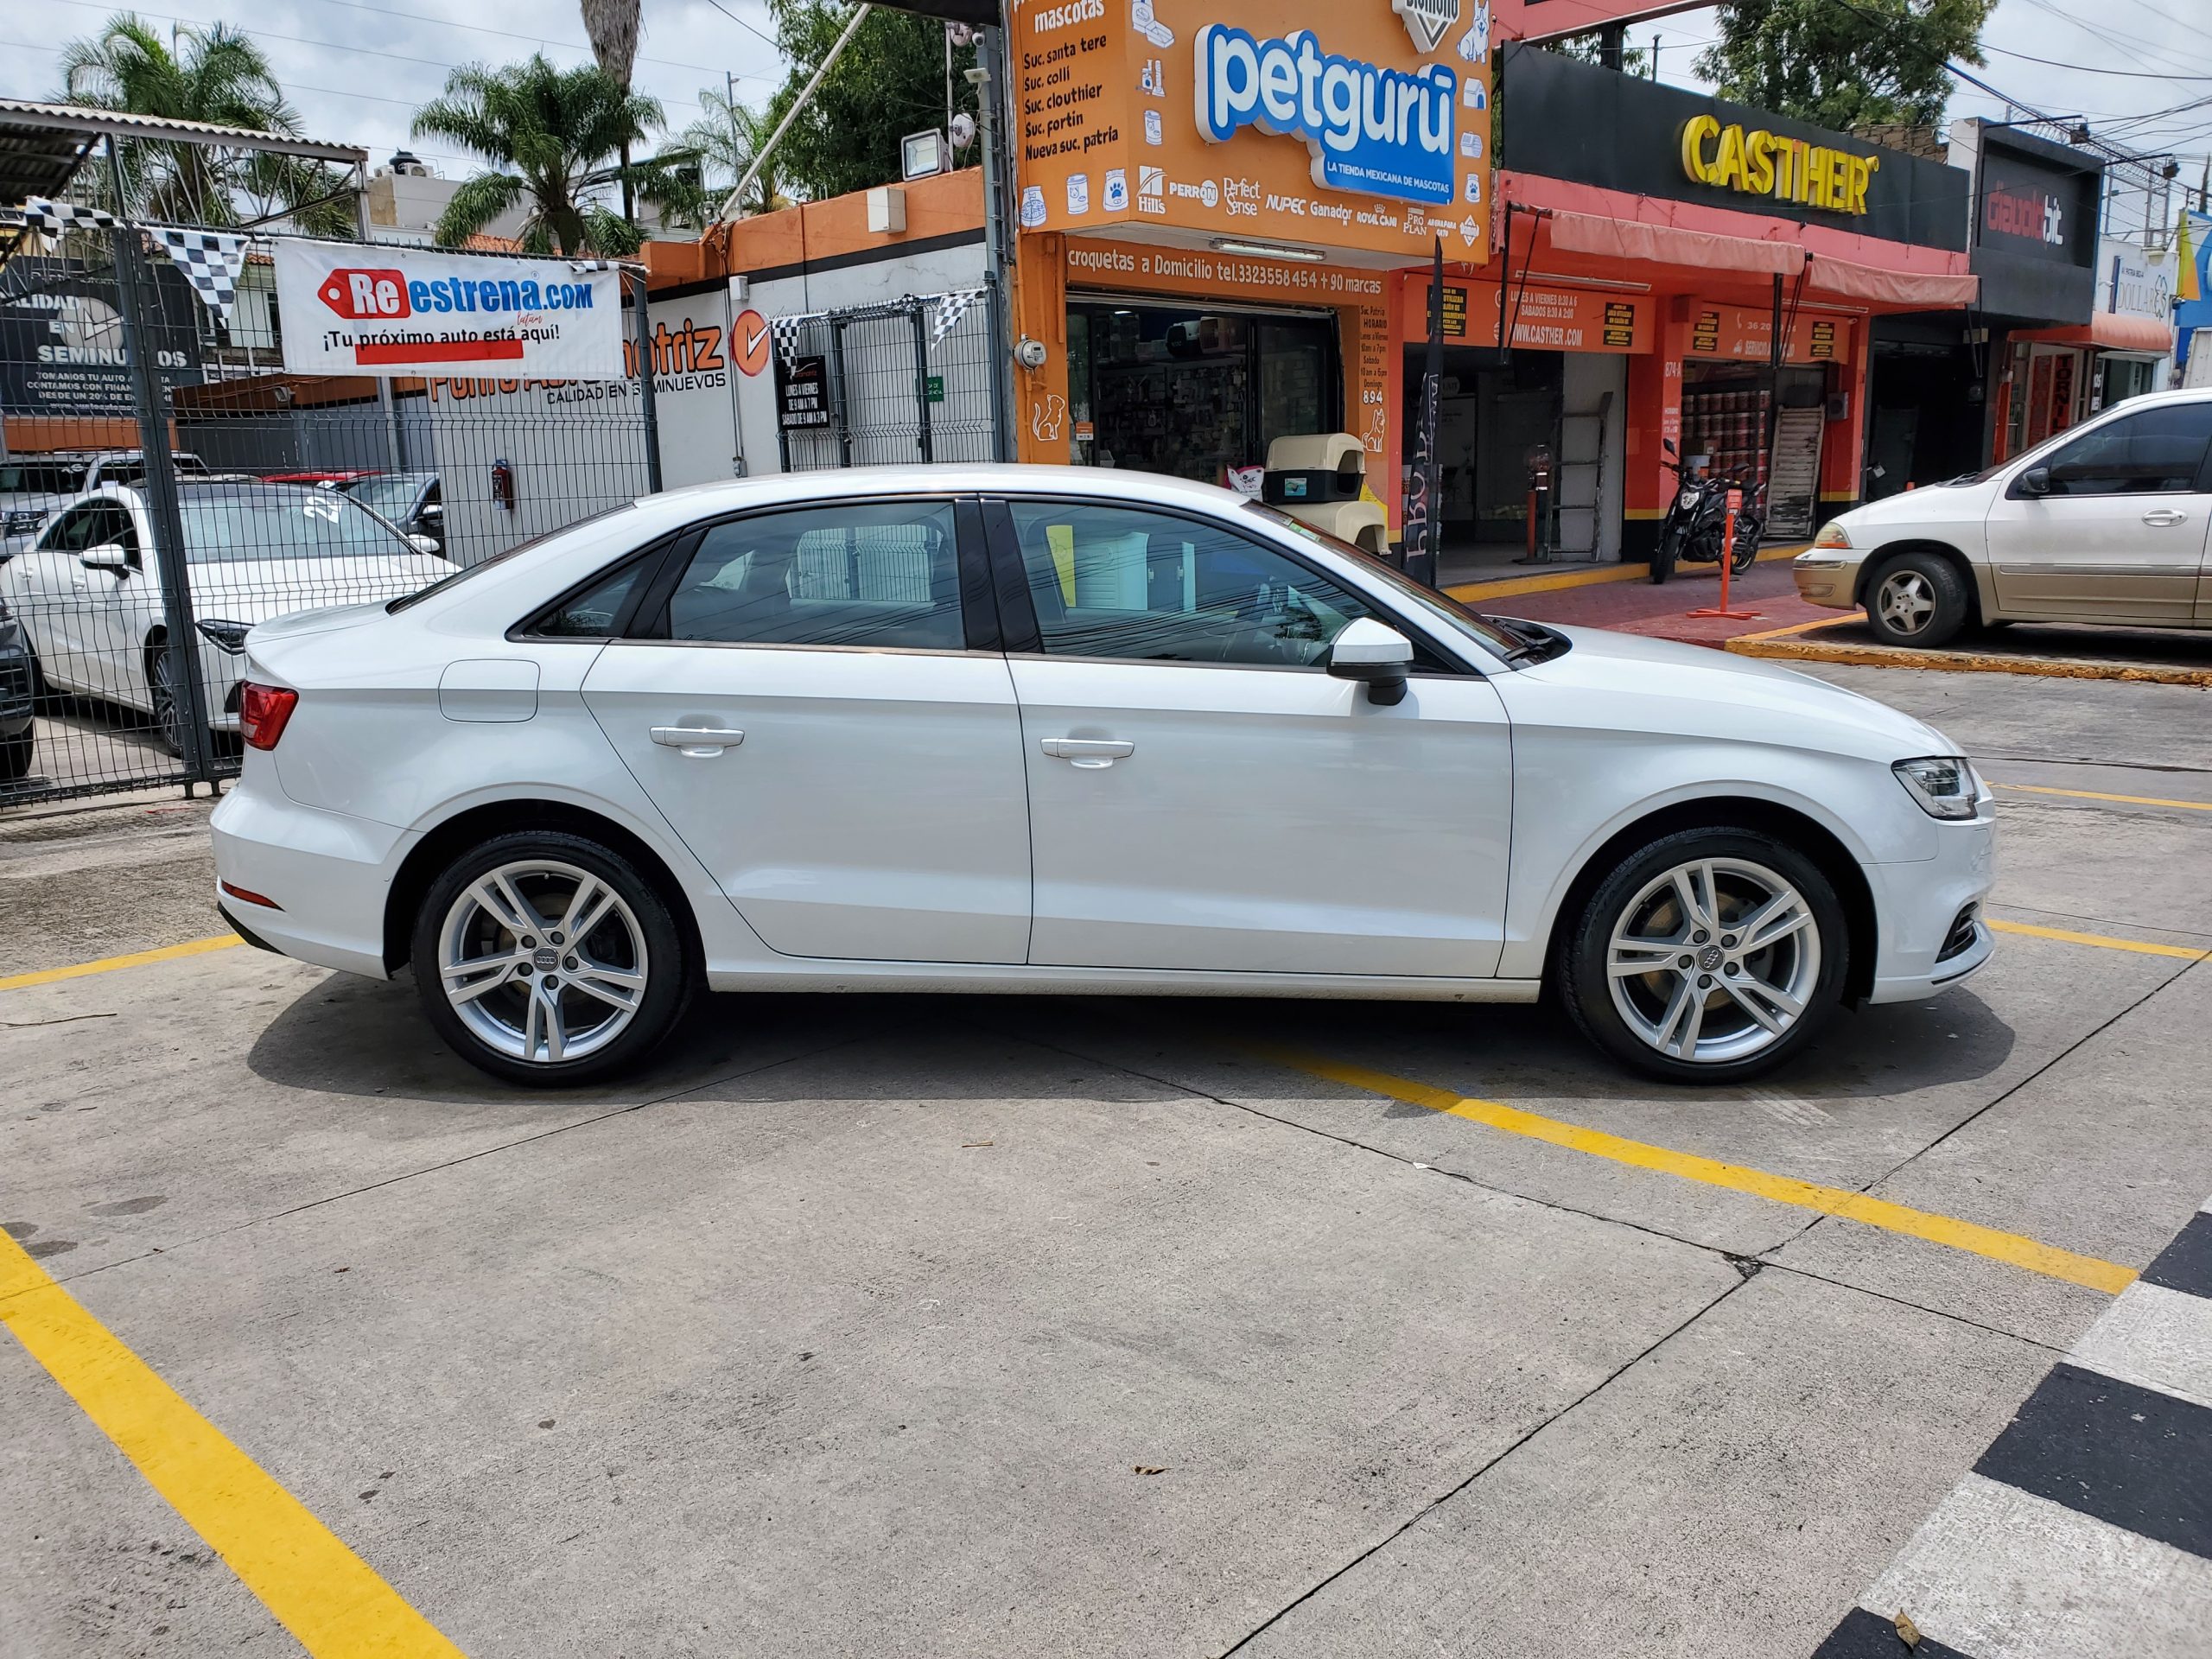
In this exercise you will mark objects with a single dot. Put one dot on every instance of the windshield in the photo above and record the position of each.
(42, 478)
(391, 495)
(230, 524)
(1440, 609)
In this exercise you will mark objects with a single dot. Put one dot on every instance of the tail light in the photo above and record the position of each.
(262, 710)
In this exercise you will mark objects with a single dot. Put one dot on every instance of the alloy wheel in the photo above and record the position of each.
(543, 961)
(161, 684)
(1713, 961)
(1906, 600)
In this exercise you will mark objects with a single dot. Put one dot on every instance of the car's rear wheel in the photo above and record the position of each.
(1916, 599)
(1711, 956)
(546, 958)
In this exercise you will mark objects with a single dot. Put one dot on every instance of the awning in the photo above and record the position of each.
(2109, 331)
(1630, 239)
(1911, 290)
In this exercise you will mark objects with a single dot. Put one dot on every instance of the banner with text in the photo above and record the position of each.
(350, 309)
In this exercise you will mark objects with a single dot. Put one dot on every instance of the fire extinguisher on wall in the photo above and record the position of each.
(502, 485)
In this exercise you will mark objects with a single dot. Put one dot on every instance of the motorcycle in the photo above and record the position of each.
(1697, 519)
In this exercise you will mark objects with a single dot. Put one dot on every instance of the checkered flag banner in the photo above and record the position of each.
(950, 308)
(52, 218)
(210, 260)
(785, 329)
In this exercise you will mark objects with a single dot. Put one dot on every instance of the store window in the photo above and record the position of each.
(1194, 393)
(1121, 582)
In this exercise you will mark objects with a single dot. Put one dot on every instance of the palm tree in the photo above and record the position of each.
(729, 137)
(215, 74)
(613, 28)
(551, 135)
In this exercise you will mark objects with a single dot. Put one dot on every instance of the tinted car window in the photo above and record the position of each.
(68, 533)
(1118, 581)
(2156, 451)
(593, 612)
(227, 523)
(883, 574)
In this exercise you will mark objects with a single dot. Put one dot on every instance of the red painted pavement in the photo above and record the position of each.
(1636, 606)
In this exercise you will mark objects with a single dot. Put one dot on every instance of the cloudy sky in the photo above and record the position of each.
(358, 68)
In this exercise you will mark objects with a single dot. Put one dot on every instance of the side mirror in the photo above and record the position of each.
(2035, 481)
(425, 544)
(432, 509)
(1377, 655)
(108, 555)
(1668, 444)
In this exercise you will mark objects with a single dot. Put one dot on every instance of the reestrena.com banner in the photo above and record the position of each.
(351, 307)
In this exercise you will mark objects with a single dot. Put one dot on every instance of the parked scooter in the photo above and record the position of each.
(1694, 529)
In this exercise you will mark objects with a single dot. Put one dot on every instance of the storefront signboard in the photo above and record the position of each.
(1746, 334)
(1314, 123)
(61, 337)
(1543, 318)
(2035, 226)
(1585, 125)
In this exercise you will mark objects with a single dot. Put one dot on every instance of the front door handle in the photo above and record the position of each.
(701, 742)
(2163, 516)
(1089, 753)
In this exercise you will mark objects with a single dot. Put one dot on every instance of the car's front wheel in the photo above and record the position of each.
(1916, 599)
(15, 755)
(547, 958)
(1711, 956)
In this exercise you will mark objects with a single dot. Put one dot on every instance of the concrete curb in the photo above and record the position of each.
(1960, 662)
(1506, 586)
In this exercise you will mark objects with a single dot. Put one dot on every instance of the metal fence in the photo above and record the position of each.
(898, 391)
(168, 486)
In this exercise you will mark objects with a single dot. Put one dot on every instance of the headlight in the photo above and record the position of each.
(1944, 784)
(1831, 535)
(226, 636)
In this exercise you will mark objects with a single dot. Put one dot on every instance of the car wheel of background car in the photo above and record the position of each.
(546, 958)
(161, 690)
(1916, 599)
(15, 755)
(1711, 956)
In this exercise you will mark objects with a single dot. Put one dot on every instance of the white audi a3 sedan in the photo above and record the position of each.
(977, 728)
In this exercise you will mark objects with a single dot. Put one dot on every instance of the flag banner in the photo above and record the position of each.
(373, 309)
(950, 308)
(210, 260)
(52, 218)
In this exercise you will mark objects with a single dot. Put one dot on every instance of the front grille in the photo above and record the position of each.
(1961, 938)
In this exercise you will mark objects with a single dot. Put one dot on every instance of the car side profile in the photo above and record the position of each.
(2104, 523)
(1060, 730)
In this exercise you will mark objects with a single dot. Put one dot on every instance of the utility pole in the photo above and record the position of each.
(988, 78)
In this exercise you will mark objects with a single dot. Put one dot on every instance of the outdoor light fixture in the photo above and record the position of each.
(921, 155)
(1268, 250)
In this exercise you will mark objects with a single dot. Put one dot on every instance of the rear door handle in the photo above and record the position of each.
(2164, 516)
(701, 742)
(1089, 753)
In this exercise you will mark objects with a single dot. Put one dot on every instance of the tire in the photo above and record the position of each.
(603, 1021)
(1706, 1024)
(1748, 531)
(1916, 599)
(15, 755)
(1662, 558)
(161, 692)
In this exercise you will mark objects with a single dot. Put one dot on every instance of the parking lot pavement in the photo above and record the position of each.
(870, 1326)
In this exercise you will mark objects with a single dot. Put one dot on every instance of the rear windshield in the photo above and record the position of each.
(41, 477)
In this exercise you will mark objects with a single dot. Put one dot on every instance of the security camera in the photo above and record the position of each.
(1030, 354)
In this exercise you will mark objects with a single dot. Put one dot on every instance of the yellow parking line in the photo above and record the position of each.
(2094, 795)
(2102, 941)
(1836, 620)
(2011, 1248)
(109, 965)
(318, 1589)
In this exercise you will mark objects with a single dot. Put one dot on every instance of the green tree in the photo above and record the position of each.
(728, 138)
(554, 138)
(1585, 48)
(1845, 63)
(891, 81)
(215, 74)
(613, 28)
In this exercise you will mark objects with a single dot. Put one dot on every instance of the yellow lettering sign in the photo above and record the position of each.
(1762, 163)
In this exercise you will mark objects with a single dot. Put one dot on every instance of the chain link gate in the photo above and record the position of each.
(896, 395)
(168, 486)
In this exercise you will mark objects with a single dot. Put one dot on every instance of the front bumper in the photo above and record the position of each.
(1828, 578)
(1917, 904)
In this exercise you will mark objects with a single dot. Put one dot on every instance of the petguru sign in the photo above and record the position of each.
(351, 308)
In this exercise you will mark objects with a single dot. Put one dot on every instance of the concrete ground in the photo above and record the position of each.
(933, 1327)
